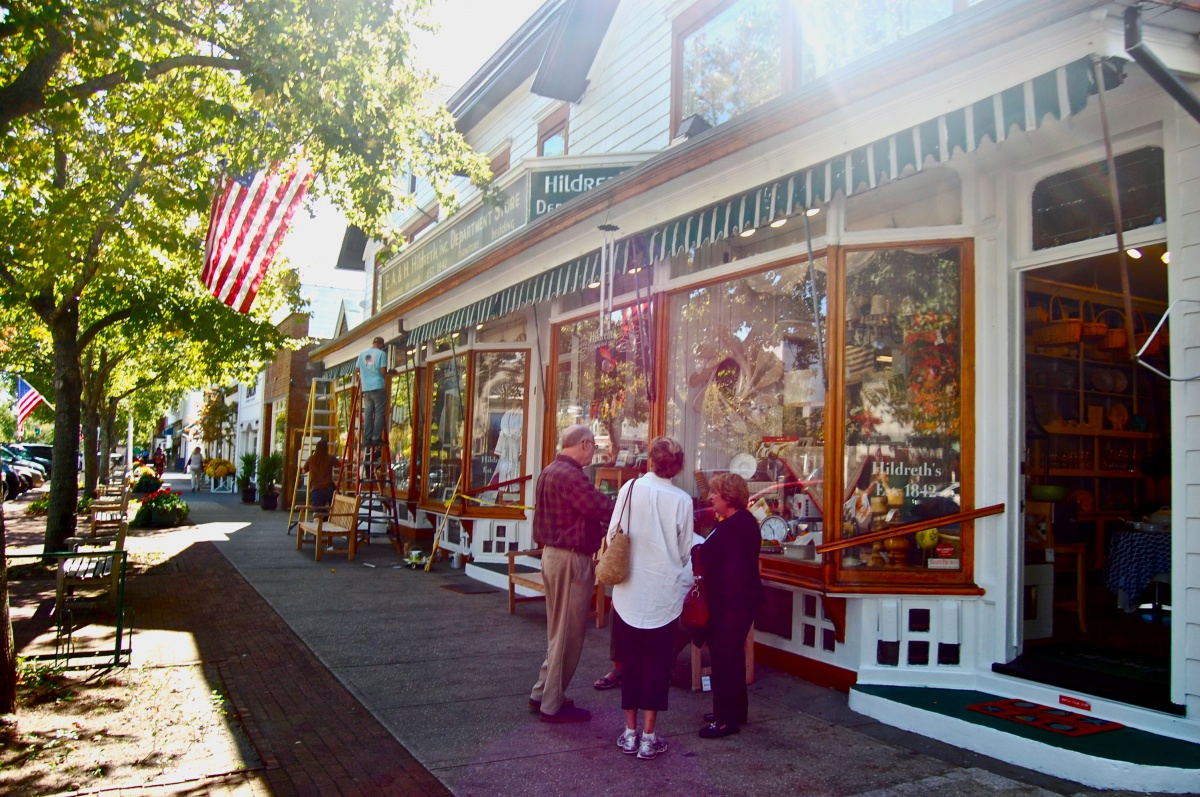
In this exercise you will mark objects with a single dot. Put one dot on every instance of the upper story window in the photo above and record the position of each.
(731, 56)
(500, 163)
(552, 132)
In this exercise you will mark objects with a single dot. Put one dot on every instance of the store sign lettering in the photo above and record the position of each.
(461, 239)
(551, 189)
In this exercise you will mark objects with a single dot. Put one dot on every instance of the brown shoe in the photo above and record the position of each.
(567, 714)
(536, 705)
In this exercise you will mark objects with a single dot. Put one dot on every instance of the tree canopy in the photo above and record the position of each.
(116, 118)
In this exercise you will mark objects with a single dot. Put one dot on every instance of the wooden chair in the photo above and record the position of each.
(97, 568)
(529, 580)
(340, 521)
(1039, 520)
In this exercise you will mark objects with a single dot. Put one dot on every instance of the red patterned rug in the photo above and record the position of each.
(1056, 720)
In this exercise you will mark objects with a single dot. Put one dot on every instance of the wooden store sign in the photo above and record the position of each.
(554, 188)
(528, 198)
(462, 238)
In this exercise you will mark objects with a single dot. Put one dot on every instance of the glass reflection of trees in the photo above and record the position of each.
(602, 380)
(903, 357)
(497, 427)
(445, 427)
(746, 372)
(734, 63)
(400, 428)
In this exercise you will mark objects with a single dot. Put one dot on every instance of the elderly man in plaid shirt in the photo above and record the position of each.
(569, 523)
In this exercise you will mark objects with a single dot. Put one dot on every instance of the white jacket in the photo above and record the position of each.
(659, 521)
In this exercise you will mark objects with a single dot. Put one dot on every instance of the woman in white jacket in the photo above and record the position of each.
(657, 515)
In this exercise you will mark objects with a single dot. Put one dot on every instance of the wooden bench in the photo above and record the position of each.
(95, 568)
(533, 581)
(340, 521)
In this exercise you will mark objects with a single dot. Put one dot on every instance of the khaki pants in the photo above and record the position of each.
(570, 580)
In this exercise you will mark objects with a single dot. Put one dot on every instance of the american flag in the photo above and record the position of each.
(27, 399)
(249, 218)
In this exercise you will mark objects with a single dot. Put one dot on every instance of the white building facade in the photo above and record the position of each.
(881, 281)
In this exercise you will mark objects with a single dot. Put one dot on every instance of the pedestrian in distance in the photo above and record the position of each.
(372, 381)
(657, 516)
(569, 524)
(195, 466)
(733, 587)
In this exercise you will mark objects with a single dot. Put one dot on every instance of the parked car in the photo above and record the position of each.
(33, 470)
(41, 454)
(13, 484)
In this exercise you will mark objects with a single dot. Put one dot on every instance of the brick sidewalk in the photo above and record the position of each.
(313, 736)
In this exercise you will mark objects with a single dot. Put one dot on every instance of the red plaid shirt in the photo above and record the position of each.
(571, 513)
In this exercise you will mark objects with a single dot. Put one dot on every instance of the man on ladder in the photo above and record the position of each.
(372, 381)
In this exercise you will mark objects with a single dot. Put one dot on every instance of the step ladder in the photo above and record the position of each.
(367, 473)
(320, 423)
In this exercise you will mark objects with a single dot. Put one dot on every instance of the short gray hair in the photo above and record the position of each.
(574, 435)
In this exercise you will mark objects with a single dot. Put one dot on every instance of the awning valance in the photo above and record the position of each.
(341, 369)
(1059, 93)
(567, 278)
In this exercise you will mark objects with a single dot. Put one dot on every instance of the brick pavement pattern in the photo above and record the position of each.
(313, 736)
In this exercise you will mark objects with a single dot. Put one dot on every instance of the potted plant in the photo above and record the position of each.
(161, 508)
(245, 478)
(270, 471)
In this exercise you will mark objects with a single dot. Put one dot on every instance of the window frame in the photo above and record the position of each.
(555, 122)
(462, 507)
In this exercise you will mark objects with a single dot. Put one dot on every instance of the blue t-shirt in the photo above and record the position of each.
(369, 364)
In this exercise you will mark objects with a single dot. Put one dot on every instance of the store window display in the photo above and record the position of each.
(498, 427)
(604, 381)
(903, 404)
(748, 386)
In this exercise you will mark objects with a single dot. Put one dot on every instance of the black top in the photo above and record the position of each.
(729, 558)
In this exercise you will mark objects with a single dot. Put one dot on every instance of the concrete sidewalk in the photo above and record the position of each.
(448, 675)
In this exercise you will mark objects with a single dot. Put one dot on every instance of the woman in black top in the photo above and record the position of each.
(729, 558)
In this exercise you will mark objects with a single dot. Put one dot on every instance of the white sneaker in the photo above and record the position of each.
(649, 748)
(628, 741)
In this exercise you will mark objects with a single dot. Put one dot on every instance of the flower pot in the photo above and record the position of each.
(249, 495)
(270, 500)
(163, 517)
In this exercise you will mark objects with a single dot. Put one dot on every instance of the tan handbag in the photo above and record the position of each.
(613, 567)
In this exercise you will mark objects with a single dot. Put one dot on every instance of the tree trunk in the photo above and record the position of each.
(68, 387)
(90, 422)
(108, 439)
(8, 652)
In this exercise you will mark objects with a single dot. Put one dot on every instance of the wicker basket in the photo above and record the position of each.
(1092, 329)
(1140, 338)
(1115, 337)
(1063, 329)
(1035, 314)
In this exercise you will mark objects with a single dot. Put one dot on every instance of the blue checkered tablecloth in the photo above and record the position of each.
(1134, 558)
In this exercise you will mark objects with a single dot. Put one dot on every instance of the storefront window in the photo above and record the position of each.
(498, 427)
(747, 381)
(903, 405)
(789, 231)
(344, 396)
(603, 380)
(445, 428)
(401, 418)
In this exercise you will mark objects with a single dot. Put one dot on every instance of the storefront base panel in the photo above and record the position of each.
(1127, 759)
(818, 672)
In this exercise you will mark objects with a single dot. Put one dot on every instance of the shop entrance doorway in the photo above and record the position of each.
(1096, 513)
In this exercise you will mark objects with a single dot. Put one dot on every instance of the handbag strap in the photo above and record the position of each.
(625, 505)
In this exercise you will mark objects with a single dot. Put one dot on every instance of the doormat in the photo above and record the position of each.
(1056, 720)
(475, 588)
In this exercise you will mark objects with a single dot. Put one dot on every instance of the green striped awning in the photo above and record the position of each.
(568, 278)
(341, 369)
(1059, 93)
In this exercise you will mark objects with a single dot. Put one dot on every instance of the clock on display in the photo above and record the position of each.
(773, 528)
